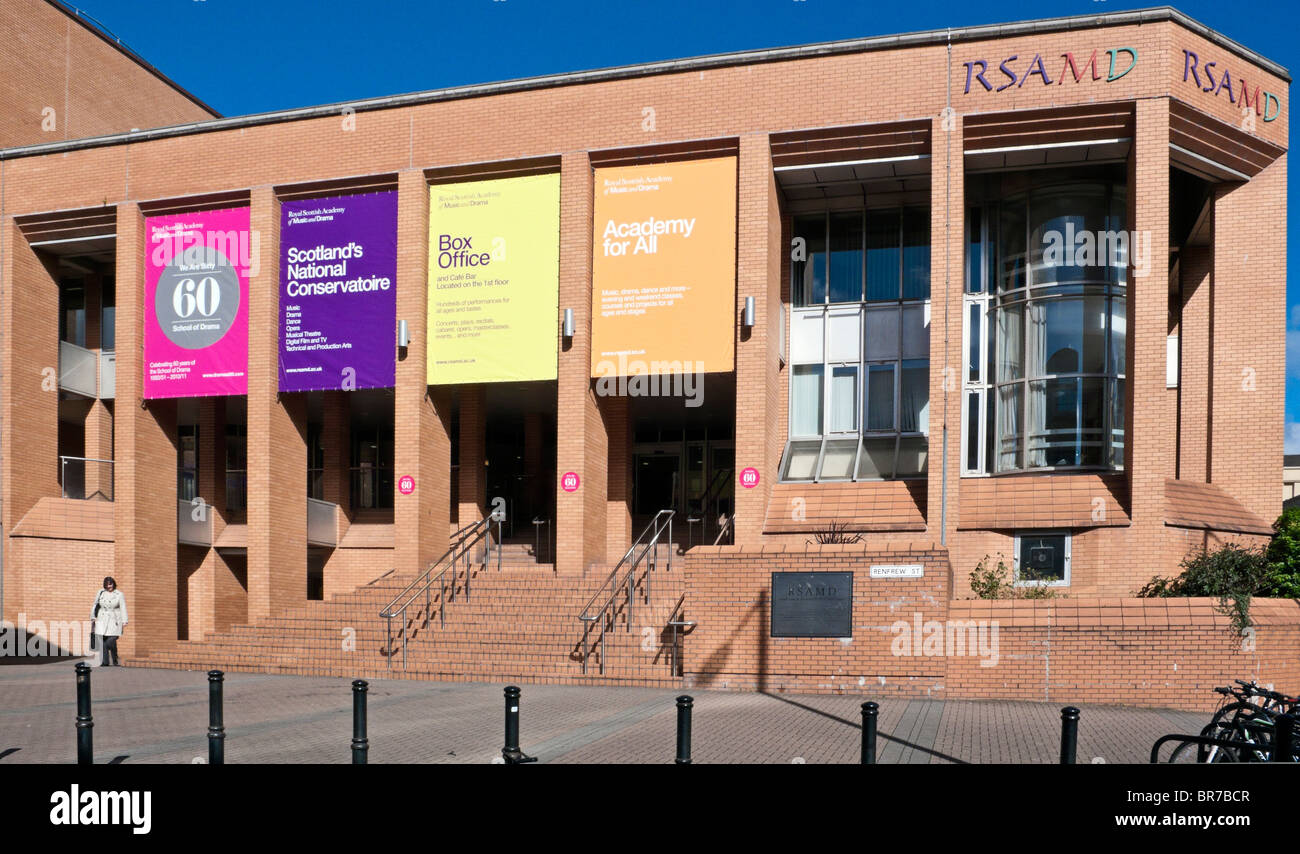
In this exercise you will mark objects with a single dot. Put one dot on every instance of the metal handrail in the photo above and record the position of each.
(726, 527)
(662, 521)
(463, 541)
(680, 629)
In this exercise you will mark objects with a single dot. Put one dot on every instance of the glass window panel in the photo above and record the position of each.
(974, 330)
(108, 329)
(1067, 222)
(809, 276)
(916, 254)
(912, 453)
(846, 257)
(806, 401)
(807, 335)
(1010, 344)
(801, 460)
(1011, 245)
(845, 335)
(1067, 336)
(1053, 423)
(844, 398)
(1041, 558)
(876, 461)
(882, 255)
(916, 332)
(974, 252)
(973, 412)
(882, 333)
(1009, 415)
(1115, 222)
(1116, 445)
(914, 397)
(837, 459)
(1118, 340)
(880, 397)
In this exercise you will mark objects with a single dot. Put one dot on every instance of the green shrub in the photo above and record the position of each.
(998, 582)
(1232, 574)
(1284, 557)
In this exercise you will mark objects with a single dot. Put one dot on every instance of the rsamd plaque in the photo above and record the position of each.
(812, 604)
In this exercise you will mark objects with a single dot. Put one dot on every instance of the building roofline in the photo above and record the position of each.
(623, 72)
(97, 28)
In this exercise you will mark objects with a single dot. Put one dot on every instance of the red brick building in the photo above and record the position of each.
(1013, 290)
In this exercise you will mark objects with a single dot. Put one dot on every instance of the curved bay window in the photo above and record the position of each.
(1045, 330)
(859, 346)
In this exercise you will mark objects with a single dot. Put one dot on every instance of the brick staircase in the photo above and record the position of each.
(520, 623)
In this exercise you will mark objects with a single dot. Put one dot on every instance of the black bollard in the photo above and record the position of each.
(511, 752)
(216, 722)
(1283, 739)
(85, 723)
(1069, 734)
(870, 711)
(684, 705)
(360, 743)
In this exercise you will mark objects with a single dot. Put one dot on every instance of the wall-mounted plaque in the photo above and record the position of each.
(812, 604)
(897, 570)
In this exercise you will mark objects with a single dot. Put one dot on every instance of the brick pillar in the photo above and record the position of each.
(29, 405)
(422, 436)
(758, 275)
(277, 443)
(336, 429)
(947, 284)
(99, 446)
(1195, 266)
(144, 554)
(582, 445)
(1150, 411)
(1249, 340)
(471, 490)
(618, 512)
(202, 581)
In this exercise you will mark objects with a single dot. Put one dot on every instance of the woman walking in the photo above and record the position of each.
(109, 617)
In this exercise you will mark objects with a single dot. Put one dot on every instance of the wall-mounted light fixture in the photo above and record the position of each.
(566, 327)
(403, 334)
(747, 318)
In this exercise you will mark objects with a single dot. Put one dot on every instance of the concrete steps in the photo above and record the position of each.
(519, 623)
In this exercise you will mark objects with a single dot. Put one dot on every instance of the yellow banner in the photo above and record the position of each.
(494, 280)
(663, 295)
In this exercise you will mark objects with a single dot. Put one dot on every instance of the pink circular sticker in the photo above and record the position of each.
(570, 482)
(406, 484)
(749, 477)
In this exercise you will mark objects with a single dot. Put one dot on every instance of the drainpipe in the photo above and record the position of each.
(947, 255)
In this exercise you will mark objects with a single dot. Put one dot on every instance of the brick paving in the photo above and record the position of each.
(160, 716)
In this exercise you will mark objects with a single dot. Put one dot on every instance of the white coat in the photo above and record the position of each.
(112, 613)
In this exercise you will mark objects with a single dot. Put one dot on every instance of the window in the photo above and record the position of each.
(859, 346)
(1042, 558)
(1044, 330)
(187, 464)
(236, 467)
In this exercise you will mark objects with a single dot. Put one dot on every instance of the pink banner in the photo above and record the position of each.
(196, 304)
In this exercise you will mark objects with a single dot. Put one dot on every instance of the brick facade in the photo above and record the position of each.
(1221, 428)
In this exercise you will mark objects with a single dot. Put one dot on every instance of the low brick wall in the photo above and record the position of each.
(728, 590)
(910, 639)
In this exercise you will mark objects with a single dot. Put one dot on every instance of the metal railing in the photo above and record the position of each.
(727, 530)
(680, 627)
(647, 543)
(462, 543)
(84, 478)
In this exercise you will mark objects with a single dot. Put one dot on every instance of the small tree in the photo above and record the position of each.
(1232, 574)
(1283, 556)
(998, 582)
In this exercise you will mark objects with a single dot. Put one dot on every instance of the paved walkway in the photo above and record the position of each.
(146, 715)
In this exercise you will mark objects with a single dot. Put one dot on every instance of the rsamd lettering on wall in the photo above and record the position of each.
(1069, 68)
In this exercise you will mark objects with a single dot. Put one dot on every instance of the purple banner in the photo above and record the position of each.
(338, 293)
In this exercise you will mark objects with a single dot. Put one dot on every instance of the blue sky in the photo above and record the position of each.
(247, 56)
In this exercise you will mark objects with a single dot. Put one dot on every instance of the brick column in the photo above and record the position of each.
(336, 429)
(144, 554)
(1150, 410)
(99, 446)
(947, 284)
(1195, 368)
(471, 490)
(618, 505)
(277, 443)
(1249, 339)
(758, 275)
(202, 582)
(582, 445)
(422, 437)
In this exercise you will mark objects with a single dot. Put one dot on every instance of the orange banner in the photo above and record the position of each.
(663, 278)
